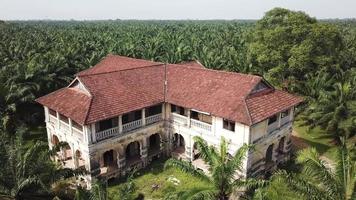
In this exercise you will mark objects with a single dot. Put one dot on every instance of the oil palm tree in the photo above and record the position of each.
(28, 172)
(221, 180)
(318, 180)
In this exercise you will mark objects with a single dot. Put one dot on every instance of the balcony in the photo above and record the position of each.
(102, 135)
(199, 124)
(153, 119)
(131, 125)
(285, 120)
(179, 119)
(272, 127)
(78, 133)
(63, 126)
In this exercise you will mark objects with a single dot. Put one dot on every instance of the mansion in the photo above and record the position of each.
(124, 113)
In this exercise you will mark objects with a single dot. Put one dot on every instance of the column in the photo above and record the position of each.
(163, 111)
(120, 124)
(144, 152)
(143, 117)
(57, 120)
(121, 160)
(46, 114)
(188, 113)
(86, 132)
(70, 126)
(279, 119)
(93, 132)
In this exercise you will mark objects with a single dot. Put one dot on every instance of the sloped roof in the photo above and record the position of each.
(265, 104)
(118, 85)
(123, 91)
(70, 102)
(113, 63)
(217, 92)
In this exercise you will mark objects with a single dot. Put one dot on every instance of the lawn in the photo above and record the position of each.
(169, 180)
(315, 137)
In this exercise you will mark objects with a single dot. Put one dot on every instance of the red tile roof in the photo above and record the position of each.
(113, 63)
(119, 85)
(267, 104)
(70, 102)
(217, 92)
(124, 91)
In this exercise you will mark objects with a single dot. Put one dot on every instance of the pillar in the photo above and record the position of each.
(57, 120)
(143, 152)
(143, 117)
(46, 114)
(188, 116)
(93, 131)
(70, 126)
(120, 124)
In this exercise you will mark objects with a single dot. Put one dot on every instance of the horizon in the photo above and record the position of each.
(93, 10)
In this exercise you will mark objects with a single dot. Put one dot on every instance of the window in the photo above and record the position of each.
(285, 114)
(229, 125)
(131, 116)
(77, 126)
(108, 124)
(272, 119)
(64, 118)
(153, 110)
(52, 112)
(177, 109)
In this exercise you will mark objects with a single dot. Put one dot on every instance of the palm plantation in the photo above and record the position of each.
(318, 179)
(28, 172)
(223, 170)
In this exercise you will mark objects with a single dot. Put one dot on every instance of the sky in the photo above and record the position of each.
(168, 9)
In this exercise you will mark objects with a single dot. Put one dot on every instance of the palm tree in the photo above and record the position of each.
(98, 191)
(221, 179)
(28, 172)
(319, 180)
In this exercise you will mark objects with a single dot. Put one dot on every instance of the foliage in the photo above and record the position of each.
(29, 172)
(287, 46)
(222, 172)
(318, 179)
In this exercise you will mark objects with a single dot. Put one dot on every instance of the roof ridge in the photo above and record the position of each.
(218, 71)
(155, 65)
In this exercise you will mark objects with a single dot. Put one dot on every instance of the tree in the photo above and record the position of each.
(318, 180)
(222, 172)
(28, 172)
(286, 46)
(333, 107)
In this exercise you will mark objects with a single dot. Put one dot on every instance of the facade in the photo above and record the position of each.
(124, 113)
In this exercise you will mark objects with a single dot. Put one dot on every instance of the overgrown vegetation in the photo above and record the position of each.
(315, 59)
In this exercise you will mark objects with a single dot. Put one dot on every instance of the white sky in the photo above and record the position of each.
(168, 9)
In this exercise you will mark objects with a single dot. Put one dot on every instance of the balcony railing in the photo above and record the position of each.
(285, 120)
(153, 119)
(107, 133)
(200, 124)
(131, 125)
(52, 119)
(272, 127)
(179, 119)
(63, 126)
(78, 133)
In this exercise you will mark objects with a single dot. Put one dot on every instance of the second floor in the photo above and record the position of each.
(166, 115)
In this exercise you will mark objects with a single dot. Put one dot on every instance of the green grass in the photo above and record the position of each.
(317, 138)
(155, 174)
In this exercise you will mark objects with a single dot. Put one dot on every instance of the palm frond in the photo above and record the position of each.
(186, 167)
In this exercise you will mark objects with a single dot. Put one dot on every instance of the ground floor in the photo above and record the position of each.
(117, 157)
